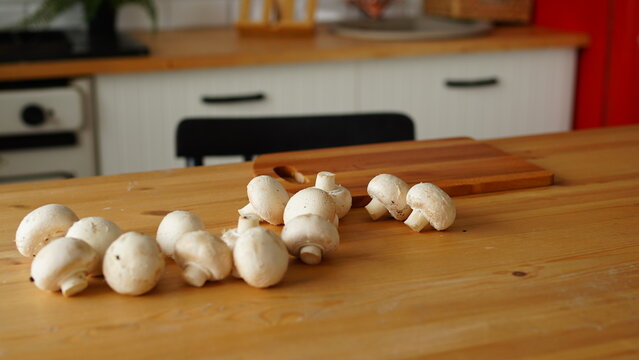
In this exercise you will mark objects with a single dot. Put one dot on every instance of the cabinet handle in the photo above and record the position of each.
(233, 98)
(472, 83)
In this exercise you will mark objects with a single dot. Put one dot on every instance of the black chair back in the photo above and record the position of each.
(199, 137)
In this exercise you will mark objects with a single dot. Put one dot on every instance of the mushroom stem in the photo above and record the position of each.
(194, 275)
(376, 209)
(74, 284)
(325, 180)
(247, 221)
(416, 221)
(247, 210)
(311, 254)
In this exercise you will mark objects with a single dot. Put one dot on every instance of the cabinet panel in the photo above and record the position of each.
(531, 93)
(138, 114)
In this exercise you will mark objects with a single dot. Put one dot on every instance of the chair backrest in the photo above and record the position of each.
(199, 137)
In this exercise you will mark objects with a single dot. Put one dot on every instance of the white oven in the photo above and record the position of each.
(46, 130)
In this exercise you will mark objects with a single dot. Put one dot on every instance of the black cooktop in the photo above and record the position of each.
(65, 44)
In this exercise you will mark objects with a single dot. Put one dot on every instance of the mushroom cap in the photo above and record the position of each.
(433, 203)
(390, 191)
(133, 264)
(244, 222)
(97, 232)
(310, 200)
(46, 223)
(343, 200)
(205, 251)
(61, 260)
(174, 225)
(268, 198)
(260, 257)
(310, 229)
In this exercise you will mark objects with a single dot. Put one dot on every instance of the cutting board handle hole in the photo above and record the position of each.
(290, 174)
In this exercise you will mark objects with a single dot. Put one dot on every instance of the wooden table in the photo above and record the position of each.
(539, 273)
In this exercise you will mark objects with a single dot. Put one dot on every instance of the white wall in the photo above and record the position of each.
(175, 14)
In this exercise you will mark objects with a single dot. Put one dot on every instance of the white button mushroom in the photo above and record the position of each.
(267, 199)
(388, 194)
(430, 205)
(42, 225)
(244, 222)
(63, 265)
(133, 264)
(309, 237)
(343, 200)
(260, 257)
(311, 201)
(202, 256)
(97, 232)
(174, 225)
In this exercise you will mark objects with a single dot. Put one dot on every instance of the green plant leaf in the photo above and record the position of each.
(48, 10)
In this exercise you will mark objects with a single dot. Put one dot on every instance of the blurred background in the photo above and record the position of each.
(55, 125)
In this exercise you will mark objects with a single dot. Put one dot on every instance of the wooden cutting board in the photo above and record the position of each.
(460, 166)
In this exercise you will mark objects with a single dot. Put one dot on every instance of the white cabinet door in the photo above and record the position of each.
(138, 114)
(516, 92)
(523, 92)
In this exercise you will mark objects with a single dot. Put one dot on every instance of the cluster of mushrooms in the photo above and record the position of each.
(418, 206)
(67, 249)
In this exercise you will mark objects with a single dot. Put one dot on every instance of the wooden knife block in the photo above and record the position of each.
(278, 18)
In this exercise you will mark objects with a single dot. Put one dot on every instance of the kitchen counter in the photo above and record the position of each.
(536, 273)
(222, 47)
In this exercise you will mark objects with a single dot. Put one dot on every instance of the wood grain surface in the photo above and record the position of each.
(549, 272)
(222, 47)
(460, 166)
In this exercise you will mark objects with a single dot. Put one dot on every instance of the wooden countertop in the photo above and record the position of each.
(538, 273)
(208, 48)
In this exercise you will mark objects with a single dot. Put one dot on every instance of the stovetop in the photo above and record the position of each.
(18, 46)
